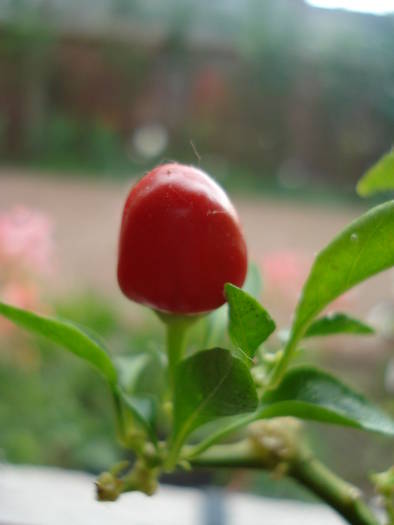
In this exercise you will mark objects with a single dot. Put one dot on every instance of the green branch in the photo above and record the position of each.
(337, 493)
(303, 467)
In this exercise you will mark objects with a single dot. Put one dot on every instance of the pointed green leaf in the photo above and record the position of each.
(65, 334)
(253, 284)
(250, 324)
(144, 410)
(338, 323)
(360, 251)
(363, 249)
(129, 370)
(379, 178)
(312, 394)
(142, 373)
(214, 325)
(208, 385)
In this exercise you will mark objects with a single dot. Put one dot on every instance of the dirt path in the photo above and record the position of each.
(87, 215)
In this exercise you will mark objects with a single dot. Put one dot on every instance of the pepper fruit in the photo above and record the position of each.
(180, 242)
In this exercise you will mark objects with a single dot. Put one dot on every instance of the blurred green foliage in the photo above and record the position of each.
(55, 410)
(73, 145)
(58, 414)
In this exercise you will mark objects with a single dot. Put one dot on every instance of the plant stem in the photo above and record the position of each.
(284, 361)
(177, 328)
(175, 445)
(217, 436)
(282, 364)
(120, 422)
(304, 468)
(339, 494)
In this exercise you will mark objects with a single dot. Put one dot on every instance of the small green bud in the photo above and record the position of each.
(108, 487)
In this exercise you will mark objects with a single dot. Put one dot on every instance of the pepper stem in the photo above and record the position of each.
(176, 344)
(177, 330)
(177, 327)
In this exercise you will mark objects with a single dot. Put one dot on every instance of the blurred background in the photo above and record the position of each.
(285, 102)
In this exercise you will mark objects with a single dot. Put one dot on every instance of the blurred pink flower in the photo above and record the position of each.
(23, 295)
(26, 254)
(285, 270)
(26, 240)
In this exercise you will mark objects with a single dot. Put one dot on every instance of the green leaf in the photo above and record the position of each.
(312, 394)
(208, 385)
(338, 323)
(130, 369)
(250, 324)
(379, 178)
(361, 250)
(65, 334)
(139, 389)
(253, 284)
(142, 373)
(139, 379)
(213, 327)
(144, 410)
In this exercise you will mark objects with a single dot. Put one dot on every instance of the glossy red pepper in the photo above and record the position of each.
(180, 242)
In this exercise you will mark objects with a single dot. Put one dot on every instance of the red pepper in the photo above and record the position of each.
(180, 242)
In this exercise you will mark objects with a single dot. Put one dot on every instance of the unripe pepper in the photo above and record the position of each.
(180, 242)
